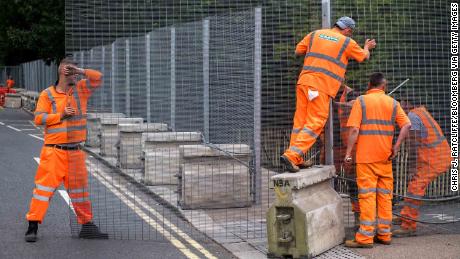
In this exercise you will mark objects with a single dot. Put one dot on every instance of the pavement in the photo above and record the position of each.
(140, 226)
(20, 143)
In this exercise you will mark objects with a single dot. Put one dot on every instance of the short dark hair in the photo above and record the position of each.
(67, 61)
(376, 79)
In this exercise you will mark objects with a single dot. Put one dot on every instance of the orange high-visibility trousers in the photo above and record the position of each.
(309, 120)
(375, 191)
(57, 166)
(416, 188)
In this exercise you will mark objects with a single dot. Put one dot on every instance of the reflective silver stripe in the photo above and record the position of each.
(309, 132)
(384, 230)
(375, 121)
(440, 137)
(38, 113)
(393, 115)
(53, 102)
(411, 195)
(68, 129)
(434, 144)
(366, 233)
(326, 57)
(83, 199)
(414, 206)
(324, 71)
(384, 221)
(311, 40)
(41, 197)
(384, 191)
(77, 98)
(376, 132)
(363, 191)
(82, 190)
(295, 131)
(44, 117)
(297, 150)
(344, 47)
(44, 188)
(77, 118)
(367, 223)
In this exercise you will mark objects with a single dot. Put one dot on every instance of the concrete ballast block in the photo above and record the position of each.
(131, 143)
(214, 177)
(13, 101)
(161, 155)
(110, 135)
(306, 218)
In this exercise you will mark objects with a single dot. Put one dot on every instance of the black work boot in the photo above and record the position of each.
(291, 167)
(91, 231)
(31, 234)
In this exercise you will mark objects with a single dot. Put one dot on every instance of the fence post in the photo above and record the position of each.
(112, 78)
(257, 103)
(206, 78)
(128, 84)
(173, 78)
(147, 81)
(102, 91)
(328, 131)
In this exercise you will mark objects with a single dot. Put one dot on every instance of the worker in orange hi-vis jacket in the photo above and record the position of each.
(10, 82)
(327, 52)
(429, 157)
(62, 110)
(372, 125)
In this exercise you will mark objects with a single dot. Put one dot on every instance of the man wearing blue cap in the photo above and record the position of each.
(327, 52)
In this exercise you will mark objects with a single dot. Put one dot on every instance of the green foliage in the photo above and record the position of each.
(31, 29)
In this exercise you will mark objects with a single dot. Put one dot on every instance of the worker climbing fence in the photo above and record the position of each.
(197, 102)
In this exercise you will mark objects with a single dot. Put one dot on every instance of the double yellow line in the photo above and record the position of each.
(152, 222)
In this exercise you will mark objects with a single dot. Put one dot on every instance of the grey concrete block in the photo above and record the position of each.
(13, 101)
(220, 183)
(131, 144)
(161, 155)
(315, 209)
(93, 132)
(110, 134)
(212, 178)
(173, 137)
(308, 177)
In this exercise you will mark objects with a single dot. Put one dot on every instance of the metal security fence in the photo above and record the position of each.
(220, 73)
(16, 72)
(37, 75)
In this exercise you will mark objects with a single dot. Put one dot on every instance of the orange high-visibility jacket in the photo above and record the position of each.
(326, 58)
(433, 150)
(10, 83)
(51, 105)
(375, 115)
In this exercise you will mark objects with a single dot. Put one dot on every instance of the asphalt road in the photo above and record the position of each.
(19, 144)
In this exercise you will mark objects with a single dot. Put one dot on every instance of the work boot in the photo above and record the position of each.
(356, 244)
(404, 232)
(306, 164)
(31, 234)
(291, 167)
(91, 231)
(380, 241)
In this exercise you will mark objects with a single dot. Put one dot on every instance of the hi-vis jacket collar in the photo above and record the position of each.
(375, 90)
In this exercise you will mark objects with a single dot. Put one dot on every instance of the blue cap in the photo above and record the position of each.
(346, 22)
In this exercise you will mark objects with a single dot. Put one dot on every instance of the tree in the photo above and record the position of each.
(31, 29)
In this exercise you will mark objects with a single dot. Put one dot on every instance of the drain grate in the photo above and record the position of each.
(339, 252)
